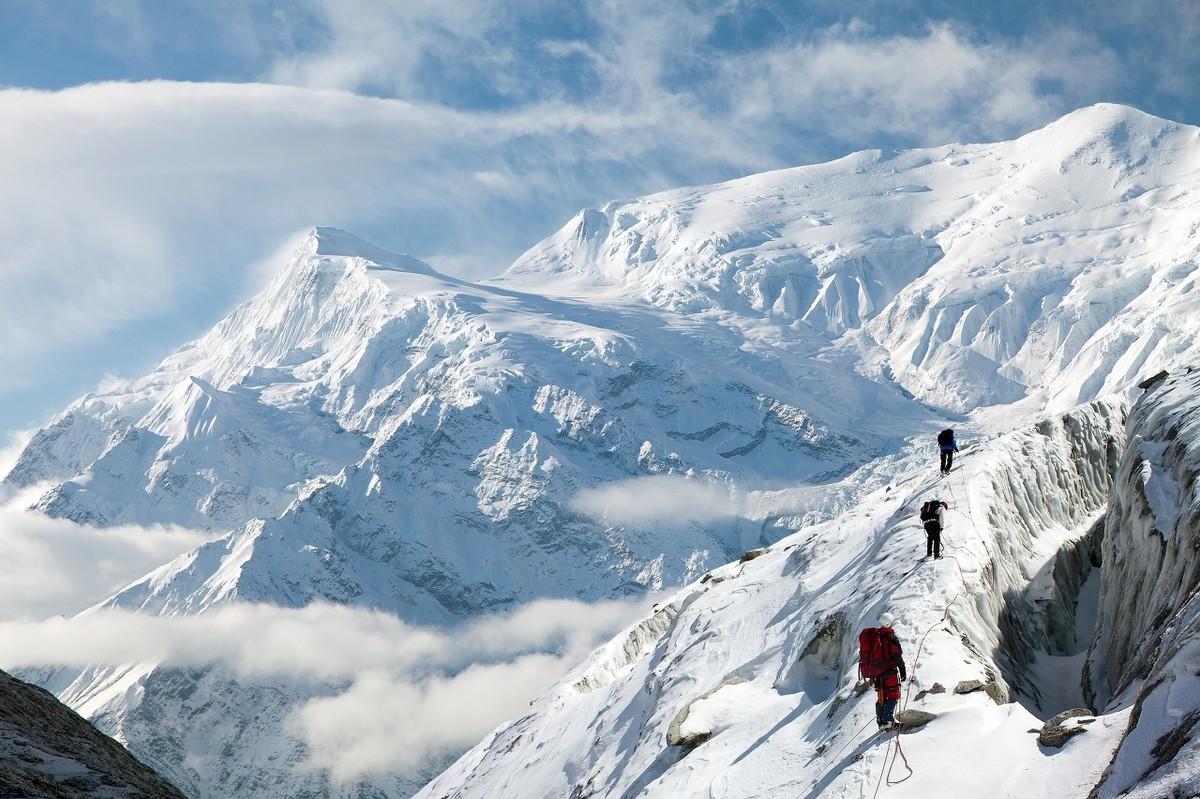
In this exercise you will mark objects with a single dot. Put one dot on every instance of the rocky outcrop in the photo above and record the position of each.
(1056, 732)
(678, 733)
(912, 718)
(46, 750)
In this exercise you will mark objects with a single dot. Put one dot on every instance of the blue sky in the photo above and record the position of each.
(155, 155)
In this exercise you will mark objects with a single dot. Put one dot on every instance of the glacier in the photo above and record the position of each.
(368, 431)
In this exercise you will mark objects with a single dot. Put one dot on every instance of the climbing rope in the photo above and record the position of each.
(894, 750)
(838, 753)
(889, 762)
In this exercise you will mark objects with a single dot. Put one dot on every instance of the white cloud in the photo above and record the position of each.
(11, 452)
(417, 694)
(319, 641)
(676, 499)
(939, 87)
(385, 724)
(641, 500)
(56, 566)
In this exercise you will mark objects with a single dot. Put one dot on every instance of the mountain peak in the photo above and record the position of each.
(337, 243)
(1110, 122)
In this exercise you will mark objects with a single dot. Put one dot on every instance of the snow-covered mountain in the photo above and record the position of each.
(743, 684)
(1071, 586)
(372, 432)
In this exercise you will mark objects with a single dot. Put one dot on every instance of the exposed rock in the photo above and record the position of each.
(937, 688)
(1153, 380)
(997, 692)
(994, 689)
(675, 734)
(1055, 734)
(47, 750)
(911, 719)
(751, 554)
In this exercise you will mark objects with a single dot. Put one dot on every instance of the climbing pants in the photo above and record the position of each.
(947, 459)
(933, 540)
(885, 709)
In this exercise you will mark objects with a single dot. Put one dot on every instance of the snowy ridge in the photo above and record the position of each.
(762, 654)
(1058, 265)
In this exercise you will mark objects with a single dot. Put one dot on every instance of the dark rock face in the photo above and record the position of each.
(48, 752)
(1055, 734)
(912, 718)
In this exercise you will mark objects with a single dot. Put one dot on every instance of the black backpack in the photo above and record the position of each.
(946, 437)
(929, 512)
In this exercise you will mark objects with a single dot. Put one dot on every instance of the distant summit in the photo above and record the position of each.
(333, 242)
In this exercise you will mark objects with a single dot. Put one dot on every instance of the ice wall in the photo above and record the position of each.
(1147, 644)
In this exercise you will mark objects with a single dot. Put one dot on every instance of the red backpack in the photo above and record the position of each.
(877, 651)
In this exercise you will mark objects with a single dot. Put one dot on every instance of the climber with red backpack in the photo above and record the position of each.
(881, 660)
(931, 517)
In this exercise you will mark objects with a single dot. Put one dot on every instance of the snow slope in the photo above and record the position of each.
(385, 436)
(762, 655)
(1057, 265)
(368, 431)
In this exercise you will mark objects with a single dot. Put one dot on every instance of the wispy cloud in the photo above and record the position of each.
(56, 566)
(416, 694)
(679, 499)
(671, 498)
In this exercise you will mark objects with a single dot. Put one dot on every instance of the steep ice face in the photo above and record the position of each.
(1059, 266)
(1147, 641)
(742, 684)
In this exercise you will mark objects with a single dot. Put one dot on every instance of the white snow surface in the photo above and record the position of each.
(763, 654)
(371, 432)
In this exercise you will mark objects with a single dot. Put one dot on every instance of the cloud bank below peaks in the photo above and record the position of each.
(396, 697)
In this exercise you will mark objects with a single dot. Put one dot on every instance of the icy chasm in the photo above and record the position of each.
(1147, 647)
(371, 432)
(742, 685)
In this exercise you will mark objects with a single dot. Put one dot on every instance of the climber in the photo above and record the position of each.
(931, 517)
(881, 660)
(948, 447)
